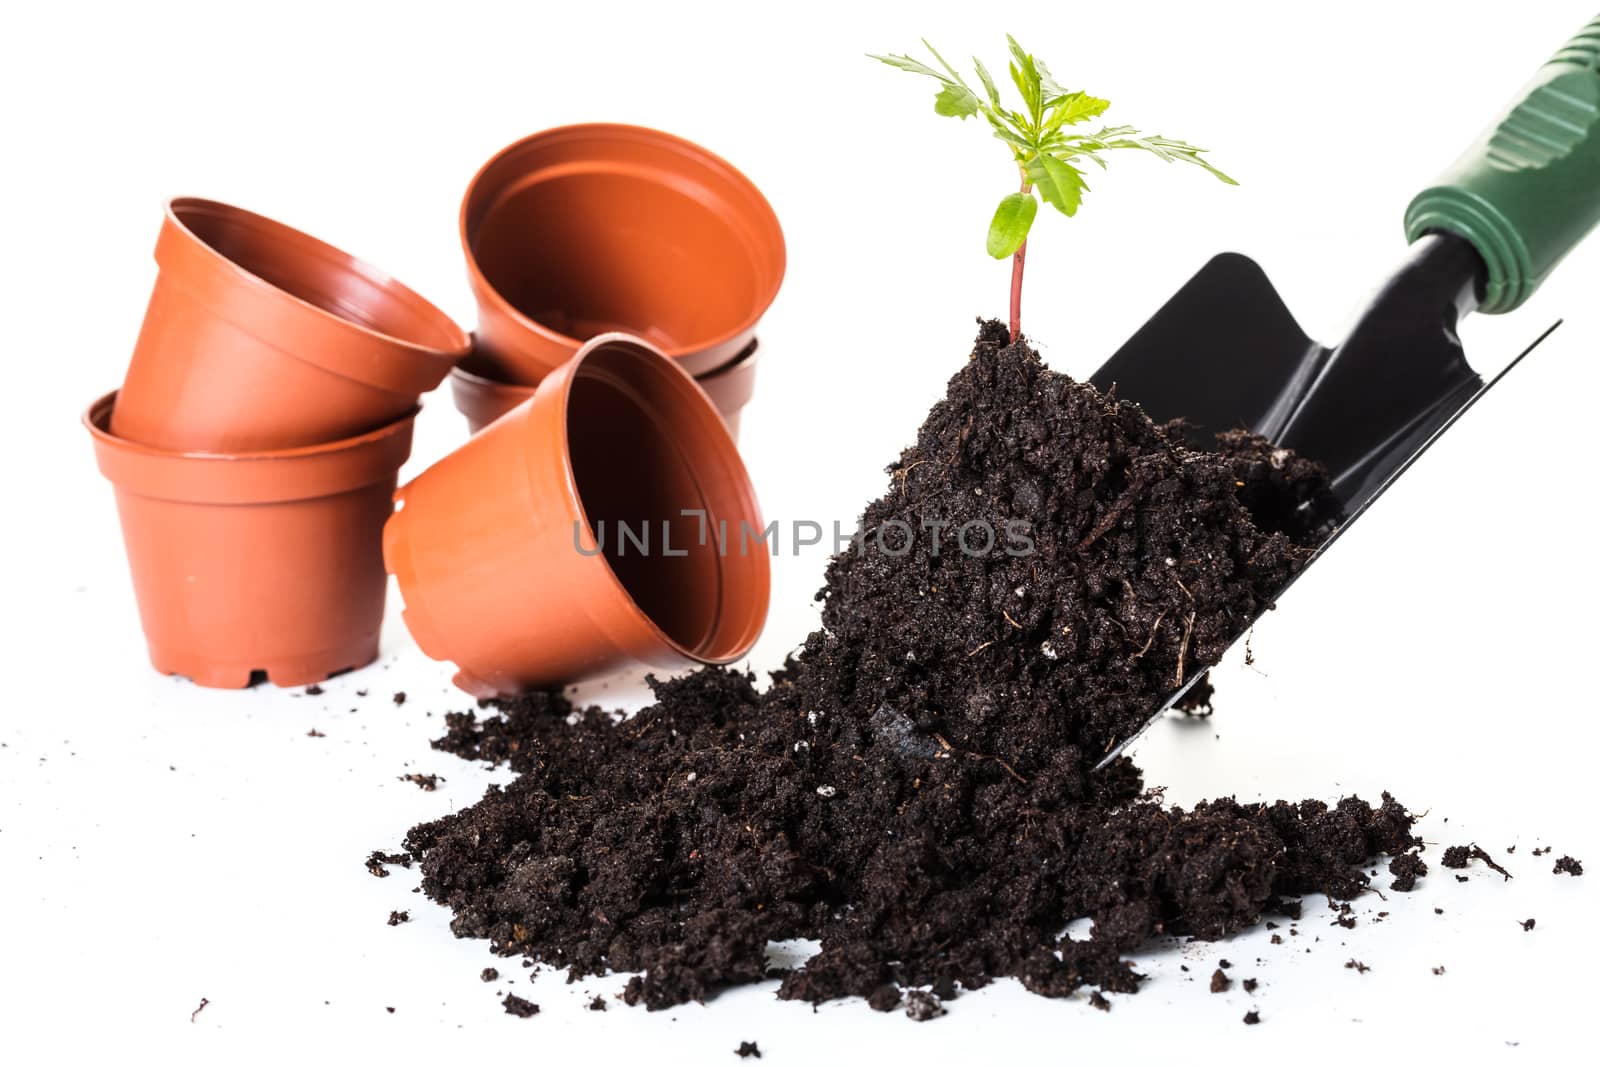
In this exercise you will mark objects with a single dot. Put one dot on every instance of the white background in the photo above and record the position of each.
(161, 843)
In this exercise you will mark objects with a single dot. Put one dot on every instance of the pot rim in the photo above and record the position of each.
(744, 489)
(659, 138)
(745, 360)
(262, 477)
(175, 208)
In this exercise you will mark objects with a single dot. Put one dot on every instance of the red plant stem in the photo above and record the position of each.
(1018, 258)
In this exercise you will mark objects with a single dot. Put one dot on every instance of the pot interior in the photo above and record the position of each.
(645, 448)
(317, 274)
(585, 253)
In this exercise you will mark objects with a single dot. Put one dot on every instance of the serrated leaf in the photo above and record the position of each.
(1047, 84)
(1059, 182)
(1011, 223)
(956, 101)
(988, 83)
(1071, 108)
(1022, 145)
(1172, 151)
(912, 66)
(947, 67)
(1025, 75)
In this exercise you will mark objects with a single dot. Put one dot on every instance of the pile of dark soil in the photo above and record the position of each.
(914, 789)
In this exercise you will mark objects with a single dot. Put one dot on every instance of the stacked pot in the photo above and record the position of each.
(268, 406)
(255, 443)
(582, 230)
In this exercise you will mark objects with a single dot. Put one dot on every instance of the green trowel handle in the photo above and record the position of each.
(1529, 189)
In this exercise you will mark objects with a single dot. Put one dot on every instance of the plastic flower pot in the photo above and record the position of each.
(258, 337)
(514, 555)
(482, 399)
(731, 387)
(266, 562)
(583, 229)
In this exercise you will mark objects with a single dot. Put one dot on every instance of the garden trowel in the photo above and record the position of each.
(1225, 352)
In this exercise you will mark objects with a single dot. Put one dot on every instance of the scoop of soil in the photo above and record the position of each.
(913, 789)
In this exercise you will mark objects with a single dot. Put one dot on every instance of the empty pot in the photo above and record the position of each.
(513, 552)
(584, 229)
(258, 337)
(482, 399)
(266, 562)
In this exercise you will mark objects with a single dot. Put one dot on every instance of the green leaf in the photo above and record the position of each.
(1011, 223)
(906, 63)
(1059, 182)
(1170, 150)
(956, 101)
(1071, 108)
(1025, 75)
(1047, 84)
(988, 83)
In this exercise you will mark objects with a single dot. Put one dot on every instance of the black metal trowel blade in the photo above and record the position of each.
(1225, 353)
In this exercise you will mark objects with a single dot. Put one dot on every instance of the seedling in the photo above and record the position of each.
(1043, 145)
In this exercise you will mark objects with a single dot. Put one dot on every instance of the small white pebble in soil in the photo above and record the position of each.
(691, 776)
(826, 791)
(1047, 650)
(801, 746)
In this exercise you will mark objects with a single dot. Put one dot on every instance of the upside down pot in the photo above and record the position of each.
(264, 562)
(580, 230)
(482, 399)
(519, 555)
(258, 337)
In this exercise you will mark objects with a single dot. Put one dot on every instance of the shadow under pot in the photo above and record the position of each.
(255, 563)
(595, 526)
(259, 337)
(585, 229)
(482, 399)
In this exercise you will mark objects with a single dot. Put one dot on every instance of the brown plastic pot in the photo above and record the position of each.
(584, 229)
(731, 387)
(258, 562)
(482, 399)
(258, 337)
(507, 550)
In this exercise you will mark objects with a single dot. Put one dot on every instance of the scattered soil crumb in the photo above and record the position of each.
(425, 782)
(1439, 969)
(598, 1003)
(1568, 865)
(1098, 1000)
(1249, 985)
(519, 1007)
(1406, 868)
(1252, 1017)
(314, 732)
(314, 690)
(885, 998)
(1528, 924)
(1458, 856)
(399, 698)
(1357, 966)
(378, 863)
(1220, 981)
(398, 917)
(747, 1049)
(922, 1006)
(488, 974)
